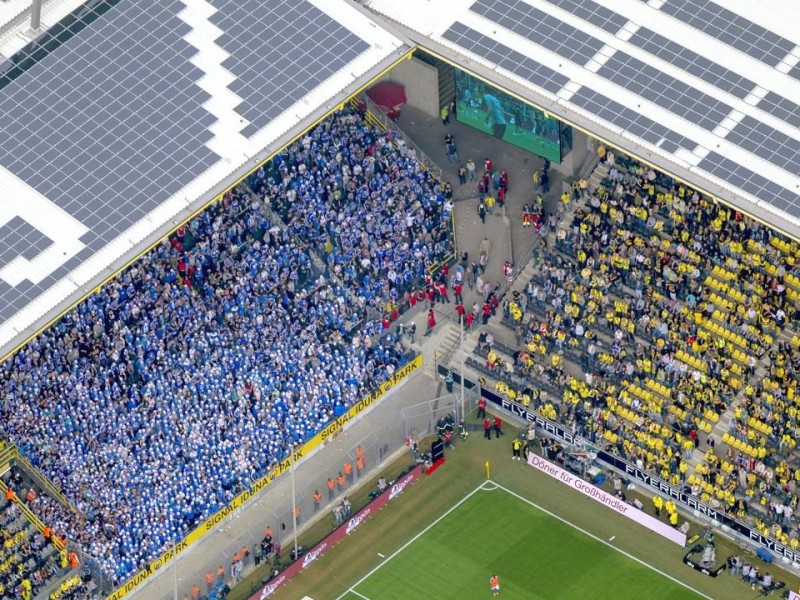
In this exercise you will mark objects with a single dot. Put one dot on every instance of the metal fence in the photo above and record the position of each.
(421, 419)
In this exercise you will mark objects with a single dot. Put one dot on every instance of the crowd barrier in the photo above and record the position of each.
(322, 436)
(653, 481)
(339, 533)
(12, 453)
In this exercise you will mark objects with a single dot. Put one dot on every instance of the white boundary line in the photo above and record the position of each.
(352, 591)
(409, 542)
(602, 541)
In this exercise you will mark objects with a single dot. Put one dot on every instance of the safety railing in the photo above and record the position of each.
(36, 522)
(12, 453)
(376, 116)
(7, 453)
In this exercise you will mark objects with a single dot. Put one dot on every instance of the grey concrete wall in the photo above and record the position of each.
(580, 150)
(571, 166)
(565, 167)
(421, 81)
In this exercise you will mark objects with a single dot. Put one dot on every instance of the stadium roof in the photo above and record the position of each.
(127, 115)
(712, 88)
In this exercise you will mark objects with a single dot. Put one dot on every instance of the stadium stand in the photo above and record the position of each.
(160, 396)
(660, 327)
(358, 192)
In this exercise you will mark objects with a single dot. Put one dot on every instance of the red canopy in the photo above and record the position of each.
(388, 95)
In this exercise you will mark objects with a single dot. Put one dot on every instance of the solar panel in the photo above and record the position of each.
(795, 71)
(664, 90)
(104, 117)
(594, 13)
(757, 185)
(540, 28)
(630, 120)
(781, 107)
(509, 59)
(730, 28)
(692, 62)
(279, 52)
(20, 238)
(768, 143)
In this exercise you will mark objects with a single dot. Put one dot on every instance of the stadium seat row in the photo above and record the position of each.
(736, 443)
(759, 426)
(659, 388)
(691, 361)
(719, 330)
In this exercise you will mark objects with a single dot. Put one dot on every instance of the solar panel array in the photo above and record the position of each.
(692, 62)
(279, 52)
(752, 182)
(706, 109)
(781, 107)
(630, 120)
(596, 14)
(665, 90)
(17, 234)
(513, 61)
(795, 71)
(541, 28)
(768, 143)
(732, 29)
(111, 122)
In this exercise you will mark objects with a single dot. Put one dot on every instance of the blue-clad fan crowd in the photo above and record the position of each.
(153, 402)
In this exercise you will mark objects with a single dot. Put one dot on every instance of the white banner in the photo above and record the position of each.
(612, 502)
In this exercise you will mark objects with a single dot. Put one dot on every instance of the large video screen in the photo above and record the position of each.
(491, 110)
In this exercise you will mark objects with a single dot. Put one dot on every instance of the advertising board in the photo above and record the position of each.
(606, 499)
(339, 533)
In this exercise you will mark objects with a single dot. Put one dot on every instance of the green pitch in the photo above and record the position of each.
(535, 555)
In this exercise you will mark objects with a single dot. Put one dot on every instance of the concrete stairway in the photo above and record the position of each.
(596, 178)
(522, 278)
(441, 347)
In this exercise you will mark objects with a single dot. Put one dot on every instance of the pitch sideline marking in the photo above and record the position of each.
(359, 595)
(409, 542)
(591, 535)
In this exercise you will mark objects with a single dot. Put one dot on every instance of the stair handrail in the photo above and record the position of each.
(7, 454)
(39, 477)
(35, 521)
(389, 125)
